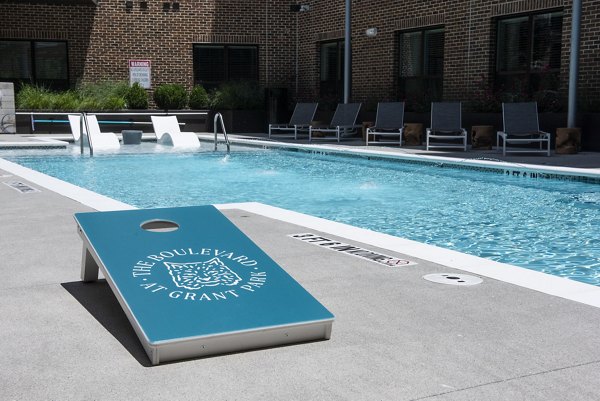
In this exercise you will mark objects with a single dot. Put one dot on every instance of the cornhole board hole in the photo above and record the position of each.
(192, 284)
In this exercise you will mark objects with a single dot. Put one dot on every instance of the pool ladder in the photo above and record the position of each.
(219, 117)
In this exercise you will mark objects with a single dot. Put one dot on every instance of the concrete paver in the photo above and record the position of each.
(396, 336)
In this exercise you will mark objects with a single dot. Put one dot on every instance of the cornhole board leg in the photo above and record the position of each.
(201, 290)
(89, 266)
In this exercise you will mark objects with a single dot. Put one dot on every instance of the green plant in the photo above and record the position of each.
(136, 97)
(106, 95)
(198, 98)
(170, 96)
(34, 98)
(89, 104)
(104, 90)
(65, 101)
(238, 96)
(113, 103)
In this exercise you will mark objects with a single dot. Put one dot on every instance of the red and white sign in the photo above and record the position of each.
(139, 71)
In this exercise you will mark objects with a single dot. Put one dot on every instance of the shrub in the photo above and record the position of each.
(170, 96)
(136, 97)
(198, 98)
(106, 95)
(65, 101)
(113, 103)
(89, 104)
(103, 90)
(239, 96)
(34, 98)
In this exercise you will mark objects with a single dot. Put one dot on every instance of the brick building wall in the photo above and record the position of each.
(102, 38)
(469, 50)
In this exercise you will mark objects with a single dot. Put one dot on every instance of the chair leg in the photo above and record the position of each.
(269, 131)
(309, 134)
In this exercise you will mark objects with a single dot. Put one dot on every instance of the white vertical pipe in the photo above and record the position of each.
(574, 63)
(347, 52)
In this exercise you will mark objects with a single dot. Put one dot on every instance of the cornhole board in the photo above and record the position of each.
(201, 289)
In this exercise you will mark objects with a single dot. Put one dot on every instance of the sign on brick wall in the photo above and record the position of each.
(139, 71)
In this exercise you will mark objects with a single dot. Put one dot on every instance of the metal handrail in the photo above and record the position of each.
(87, 133)
(218, 117)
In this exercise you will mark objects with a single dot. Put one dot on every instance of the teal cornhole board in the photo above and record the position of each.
(203, 288)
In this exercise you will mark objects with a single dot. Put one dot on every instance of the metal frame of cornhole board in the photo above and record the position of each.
(201, 289)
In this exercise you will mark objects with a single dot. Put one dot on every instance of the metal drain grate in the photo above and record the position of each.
(21, 187)
(453, 279)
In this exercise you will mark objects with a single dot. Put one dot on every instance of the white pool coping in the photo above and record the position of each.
(537, 281)
(396, 153)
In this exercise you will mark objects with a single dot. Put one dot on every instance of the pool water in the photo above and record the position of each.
(546, 225)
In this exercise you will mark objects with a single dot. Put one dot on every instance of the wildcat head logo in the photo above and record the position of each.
(199, 274)
(195, 275)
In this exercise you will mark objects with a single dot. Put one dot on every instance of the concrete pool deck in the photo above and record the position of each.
(396, 336)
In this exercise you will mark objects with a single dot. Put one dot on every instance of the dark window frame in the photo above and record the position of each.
(58, 84)
(226, 66)
(423, 76)
(531, 75)
(334, 89)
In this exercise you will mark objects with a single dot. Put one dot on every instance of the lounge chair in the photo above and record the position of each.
(389, 124)
(168, 133)
(446, 125)
(300, 121)
(343, 121)
(521, 126)
(100, 140)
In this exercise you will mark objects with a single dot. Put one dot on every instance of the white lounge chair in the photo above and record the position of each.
(389, 124)
(168, 133)
(300, 121)
(100, 140)
(521, 126)
(446, 125)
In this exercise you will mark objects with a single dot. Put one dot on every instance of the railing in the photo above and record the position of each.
(35, 120)
(219, 117)
(84, 133)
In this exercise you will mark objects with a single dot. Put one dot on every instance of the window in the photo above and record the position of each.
(421, 65)
(36, 62)
(332, 70)
(528, 53)
(215, 64)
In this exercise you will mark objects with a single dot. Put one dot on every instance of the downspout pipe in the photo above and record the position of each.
(574, 63)
(347, 52)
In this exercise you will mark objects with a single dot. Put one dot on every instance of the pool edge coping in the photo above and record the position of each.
(339, 149)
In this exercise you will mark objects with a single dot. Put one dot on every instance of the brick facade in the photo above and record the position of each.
(102, 38)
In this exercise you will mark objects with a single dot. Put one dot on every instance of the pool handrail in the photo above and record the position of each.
(219, 117)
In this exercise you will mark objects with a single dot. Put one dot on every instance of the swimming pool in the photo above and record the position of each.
(541, 224)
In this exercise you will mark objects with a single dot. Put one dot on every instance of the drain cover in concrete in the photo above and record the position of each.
(453, 279)
(21, 187)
